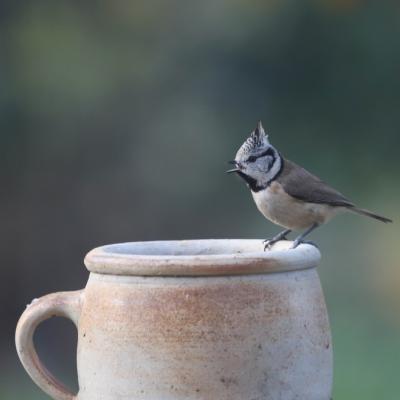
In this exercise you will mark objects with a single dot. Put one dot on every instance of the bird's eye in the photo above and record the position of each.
(252, 158)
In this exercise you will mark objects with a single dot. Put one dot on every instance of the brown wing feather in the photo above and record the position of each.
(303, 185)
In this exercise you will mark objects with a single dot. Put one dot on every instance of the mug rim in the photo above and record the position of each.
(200, 257)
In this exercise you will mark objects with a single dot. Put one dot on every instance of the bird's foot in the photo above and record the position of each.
(297, 242)
(280, 236)
(268, 243)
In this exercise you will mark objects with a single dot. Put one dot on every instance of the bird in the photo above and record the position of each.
(287, 194)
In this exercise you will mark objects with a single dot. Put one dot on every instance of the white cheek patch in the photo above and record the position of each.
(264, 164)
(272, 168)
(270, 161)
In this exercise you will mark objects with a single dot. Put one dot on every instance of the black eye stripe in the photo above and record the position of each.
(268, 152)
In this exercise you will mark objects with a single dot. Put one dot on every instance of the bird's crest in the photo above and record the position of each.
(258, 140)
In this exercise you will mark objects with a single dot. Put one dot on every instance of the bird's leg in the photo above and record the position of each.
(300, 238)
(281, 235)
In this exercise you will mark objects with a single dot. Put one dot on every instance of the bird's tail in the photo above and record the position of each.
(370, 214)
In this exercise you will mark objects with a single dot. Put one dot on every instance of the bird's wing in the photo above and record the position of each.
(302, 185)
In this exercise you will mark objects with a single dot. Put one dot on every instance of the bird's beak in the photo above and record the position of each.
(233, 169)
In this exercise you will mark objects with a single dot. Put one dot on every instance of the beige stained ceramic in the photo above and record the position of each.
(192, 320)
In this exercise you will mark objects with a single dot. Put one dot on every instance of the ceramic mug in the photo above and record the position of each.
(193, 320)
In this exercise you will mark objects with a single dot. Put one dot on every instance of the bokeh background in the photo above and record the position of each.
(117, 119)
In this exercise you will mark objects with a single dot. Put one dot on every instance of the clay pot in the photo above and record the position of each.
(198, 320)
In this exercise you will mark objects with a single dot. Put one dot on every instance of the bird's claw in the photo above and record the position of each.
(297, 242)
(268, 243)
(280, 236)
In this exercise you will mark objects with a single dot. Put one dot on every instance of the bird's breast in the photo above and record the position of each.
(282, 209)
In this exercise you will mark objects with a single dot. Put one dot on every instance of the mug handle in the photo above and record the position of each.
(61, 304)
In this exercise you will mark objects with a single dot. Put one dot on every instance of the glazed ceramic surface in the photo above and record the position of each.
(192, 320)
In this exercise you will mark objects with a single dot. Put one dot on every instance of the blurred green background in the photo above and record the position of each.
(117, 119)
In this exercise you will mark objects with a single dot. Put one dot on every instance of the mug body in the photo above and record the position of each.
(241, 336)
